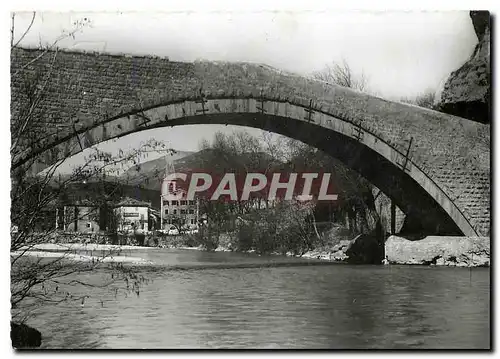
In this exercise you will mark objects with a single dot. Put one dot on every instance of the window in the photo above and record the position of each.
(192, 220)
(175, 211)
(183, 211)
(191, 211)
(89, 224)
(175, 203)
(165, 203)
(192, 203)
(183, 203)
(166, 210)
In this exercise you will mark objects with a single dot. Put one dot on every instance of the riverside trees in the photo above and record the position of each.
(282, 225)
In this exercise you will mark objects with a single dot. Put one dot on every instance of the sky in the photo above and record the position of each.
(402, 54)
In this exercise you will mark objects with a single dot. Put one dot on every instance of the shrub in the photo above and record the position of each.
(208, 237)
(191, 240)
(139, 238)
(244, 239)
(287, 227)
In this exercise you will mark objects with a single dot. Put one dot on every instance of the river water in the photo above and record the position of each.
(197, 299)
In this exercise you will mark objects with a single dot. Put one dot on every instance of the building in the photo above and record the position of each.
(81, 216)
(175, 208)
(180, 212)
(131, 214)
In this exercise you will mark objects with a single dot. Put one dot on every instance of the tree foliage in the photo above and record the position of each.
(252, 221)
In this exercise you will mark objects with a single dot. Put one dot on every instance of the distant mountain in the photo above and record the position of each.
(214, 161)
(150, 174)
(67, 178)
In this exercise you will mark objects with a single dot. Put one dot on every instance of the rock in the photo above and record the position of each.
(439, 250)
(325, 256)
(309, 254)
(339, 256)
(466, 93)
(341, 246)
(23, 336)
(367, 248)
(222, 249)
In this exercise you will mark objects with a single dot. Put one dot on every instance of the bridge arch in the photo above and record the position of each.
(434, 166)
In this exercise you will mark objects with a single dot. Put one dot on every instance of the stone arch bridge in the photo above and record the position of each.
(435, 167)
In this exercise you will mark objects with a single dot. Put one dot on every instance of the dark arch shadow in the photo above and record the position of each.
(427, 217)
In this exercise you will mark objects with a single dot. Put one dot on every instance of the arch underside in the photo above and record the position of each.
(412, 190)
(412, 199)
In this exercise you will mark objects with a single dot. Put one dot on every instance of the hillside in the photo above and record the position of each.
(149, 175)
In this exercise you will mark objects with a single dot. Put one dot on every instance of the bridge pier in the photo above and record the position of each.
(393, 217)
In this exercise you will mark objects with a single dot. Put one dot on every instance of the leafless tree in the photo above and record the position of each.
(241, 153)
(342, 74)
(37, 279)
(426, 99)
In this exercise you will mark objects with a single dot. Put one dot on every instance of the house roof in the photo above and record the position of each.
(81, 203)
(132, 202)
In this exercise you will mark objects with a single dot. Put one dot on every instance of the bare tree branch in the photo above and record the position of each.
(25, 32)
(12, 29)
(342, 75)
(39, 280)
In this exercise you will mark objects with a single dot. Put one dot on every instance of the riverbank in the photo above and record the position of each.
(77, 252)
(84, 258)
(82, 246)
(432, 250)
